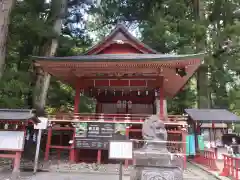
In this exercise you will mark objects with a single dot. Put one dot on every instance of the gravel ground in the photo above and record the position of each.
(93, 171)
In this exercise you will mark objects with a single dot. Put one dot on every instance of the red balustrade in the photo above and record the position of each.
(126, 118)
(207, 158)
(114, 118)
(231, 167)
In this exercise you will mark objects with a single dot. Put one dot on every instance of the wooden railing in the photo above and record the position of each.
(126, 118)
(207, 158)
(231, 166)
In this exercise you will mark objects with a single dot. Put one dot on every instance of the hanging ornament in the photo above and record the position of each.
(119, 104)
(16, 127)
(34, 137)
(82, 92)
(130, 104)
(114, 92)
(6, 126)
(105, 92)
(98, 91)
(122, 92)
(28, 135)
(139, 93)
(146, 92)
(156, 93)
(90, 92)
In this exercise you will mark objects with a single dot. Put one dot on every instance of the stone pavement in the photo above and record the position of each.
(192, 173)
(214, 173)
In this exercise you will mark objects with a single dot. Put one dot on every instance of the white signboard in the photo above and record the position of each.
(12, 140)
(230, 131)
(43, 124)
(120, 150)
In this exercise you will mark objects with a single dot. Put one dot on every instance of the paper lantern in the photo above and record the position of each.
(119, 104)
(130, 104)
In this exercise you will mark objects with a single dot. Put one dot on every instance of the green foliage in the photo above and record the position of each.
(30, 28)
(173, 26)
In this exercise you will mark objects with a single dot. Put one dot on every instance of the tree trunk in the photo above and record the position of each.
(5, 11)
(202, 87)
(49, 49)
(202, 73)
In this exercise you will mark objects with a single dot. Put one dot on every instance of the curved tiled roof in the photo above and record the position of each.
(122, 57)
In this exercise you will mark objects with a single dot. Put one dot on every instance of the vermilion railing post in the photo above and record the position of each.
(231, 167)
(49, 137)
(72, 151)
(208, 159)
(225, 170)
(236, 167)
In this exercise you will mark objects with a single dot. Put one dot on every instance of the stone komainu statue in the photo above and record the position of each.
(153, 161)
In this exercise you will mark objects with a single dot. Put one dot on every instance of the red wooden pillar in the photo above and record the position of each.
(99, 156)
(73, 151)
(214, 139)
(49, 138)
(77, 97)
(161, 99)
(17, 161)
(184, 143)
(197, 128)
(99, 151)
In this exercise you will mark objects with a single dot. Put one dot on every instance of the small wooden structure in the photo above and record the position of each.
(13, 123)
(128, 80)
(212, 124)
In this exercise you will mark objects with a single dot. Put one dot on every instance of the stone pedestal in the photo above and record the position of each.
(153, 161)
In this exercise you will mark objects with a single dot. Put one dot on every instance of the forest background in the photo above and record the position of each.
(70, 27)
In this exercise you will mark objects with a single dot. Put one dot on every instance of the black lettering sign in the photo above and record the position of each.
(98, 135)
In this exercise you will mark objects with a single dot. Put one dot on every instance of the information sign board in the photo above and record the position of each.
(96, 135)
(120, 150)
(12, 140)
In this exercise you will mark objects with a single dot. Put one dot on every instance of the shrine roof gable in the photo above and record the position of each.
(120, 34)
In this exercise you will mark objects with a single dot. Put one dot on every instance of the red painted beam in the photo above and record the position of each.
(60, 147)
(10, 156)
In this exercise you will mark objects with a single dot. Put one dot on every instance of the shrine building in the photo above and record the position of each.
(129, 82)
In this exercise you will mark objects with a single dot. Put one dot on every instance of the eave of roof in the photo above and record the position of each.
(121, 57)
(18, 115)
(212, 115)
